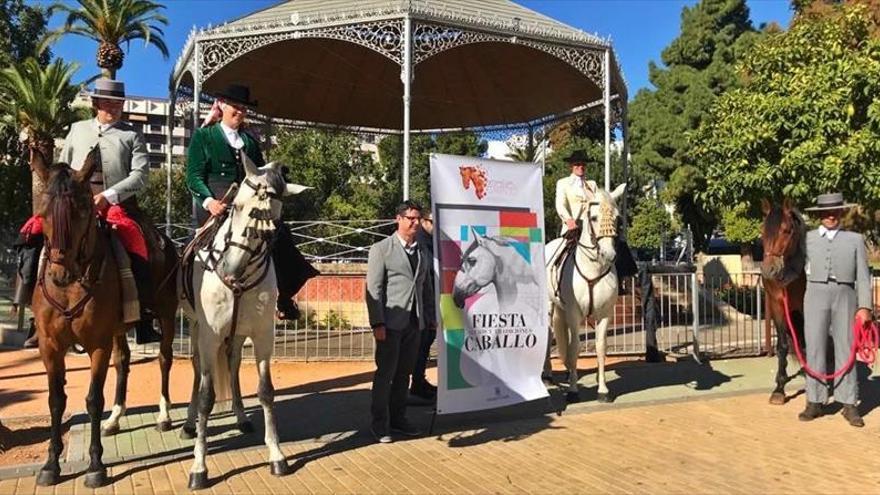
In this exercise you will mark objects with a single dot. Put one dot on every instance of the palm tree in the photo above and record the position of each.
(36, 100)
(111, 23)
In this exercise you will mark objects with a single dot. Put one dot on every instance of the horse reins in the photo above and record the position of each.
(77, 310)
(259, 256)
(865, 343)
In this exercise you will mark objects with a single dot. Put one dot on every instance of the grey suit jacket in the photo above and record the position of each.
(844, 258)
(392, 286)
(124, 159)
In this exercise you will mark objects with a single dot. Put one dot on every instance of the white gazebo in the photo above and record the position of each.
(406, 66)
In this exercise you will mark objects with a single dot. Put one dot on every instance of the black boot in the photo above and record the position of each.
(287, 307)
(292, 271)
(852, 416)
(811, 412)
(145, 332)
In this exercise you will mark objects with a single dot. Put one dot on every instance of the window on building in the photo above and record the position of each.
(155, 128)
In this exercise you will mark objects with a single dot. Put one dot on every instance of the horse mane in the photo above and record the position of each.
(772, 224)
(275, 180)
(61, 192)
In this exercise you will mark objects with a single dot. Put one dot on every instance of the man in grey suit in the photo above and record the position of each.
(121, 174)
(400, 305)
(838, 289)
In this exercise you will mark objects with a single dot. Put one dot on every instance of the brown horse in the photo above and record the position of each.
(784, 238)
(78, 300)
(474, 175)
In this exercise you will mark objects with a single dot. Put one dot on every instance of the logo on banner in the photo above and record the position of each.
(474, 175)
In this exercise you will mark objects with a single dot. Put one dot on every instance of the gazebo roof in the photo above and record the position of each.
(338, 62)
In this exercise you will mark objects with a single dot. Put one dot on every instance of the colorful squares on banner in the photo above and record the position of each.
(518, 219)
(518, 233)
(450, 255)
(466, 231)
(451, 314)
(535, 235)
(524, 249)
(447, 281)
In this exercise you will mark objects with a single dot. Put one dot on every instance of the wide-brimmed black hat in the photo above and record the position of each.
(832, 201)
(109, 89)
(236, 93)
(578, 156)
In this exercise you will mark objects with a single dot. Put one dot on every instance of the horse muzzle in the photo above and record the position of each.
(772, 267)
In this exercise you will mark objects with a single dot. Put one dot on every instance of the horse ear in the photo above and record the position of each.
(38, 163)
(90, 164)
(477, 236)
(787, 204)
(766, 206)
(249, 167)
(294, 189)
(618, 191)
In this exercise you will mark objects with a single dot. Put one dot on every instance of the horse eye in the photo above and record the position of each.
(593, 218)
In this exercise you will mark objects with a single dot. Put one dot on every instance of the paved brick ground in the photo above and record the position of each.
(735, 444)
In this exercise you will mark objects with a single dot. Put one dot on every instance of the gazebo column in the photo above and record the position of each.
(197, 86)
(624, 129)
(169, 155)
(406, 74)
(606, 97)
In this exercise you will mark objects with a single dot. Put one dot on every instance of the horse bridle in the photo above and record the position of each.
(83, 280)
(258, 256)
(592, 282)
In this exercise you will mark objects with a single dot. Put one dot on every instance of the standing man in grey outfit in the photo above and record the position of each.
(838, 289)
(400, 307)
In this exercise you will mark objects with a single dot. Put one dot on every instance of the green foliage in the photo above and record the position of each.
(697, 67)
(153, 198)
(335, 320)
(37, 98)
(806, 121)
(650, 223)
(21, 27)
(113, 22)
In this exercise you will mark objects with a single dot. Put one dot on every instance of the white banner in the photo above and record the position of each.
(490, 282)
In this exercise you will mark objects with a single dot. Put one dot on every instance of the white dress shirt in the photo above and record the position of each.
(409, 248)
(829, 233)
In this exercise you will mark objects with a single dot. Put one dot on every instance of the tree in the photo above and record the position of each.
(698, 66)
(650, 224)
(111, 23)
(36, 100)
(806, 121)
(21, 26)
(525, 153)
(153, 199)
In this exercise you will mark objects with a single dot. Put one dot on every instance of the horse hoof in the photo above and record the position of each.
(164, 426)
(572, 397)
(279, 468)
(777, 398)
(109, 431)
(187, 432)
(96, 479)
(246, 427)
(48, 477)
(604, 398)
(198, 481)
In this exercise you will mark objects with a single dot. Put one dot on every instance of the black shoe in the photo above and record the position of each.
(32, 340)
(851, 414)
(811, 412)
(144, 333)
(380, 437)
(404, 428)
(287, 308)
(423, 390)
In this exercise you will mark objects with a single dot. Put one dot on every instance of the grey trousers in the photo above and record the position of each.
(829, 310)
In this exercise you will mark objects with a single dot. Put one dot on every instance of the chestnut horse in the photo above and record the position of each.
(474, 175)
(78, 299)
(784, 235)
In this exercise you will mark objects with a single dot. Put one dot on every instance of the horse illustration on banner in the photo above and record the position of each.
(476, 175)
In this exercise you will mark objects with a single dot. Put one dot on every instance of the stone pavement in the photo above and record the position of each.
(675, 428)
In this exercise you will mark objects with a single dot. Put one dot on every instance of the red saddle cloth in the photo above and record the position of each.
(128, 231)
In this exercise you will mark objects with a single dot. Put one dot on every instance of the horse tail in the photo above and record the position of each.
(222, 379)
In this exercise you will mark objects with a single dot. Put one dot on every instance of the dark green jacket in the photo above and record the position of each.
(210, 156)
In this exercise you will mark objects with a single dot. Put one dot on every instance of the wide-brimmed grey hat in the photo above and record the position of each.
(109, 89)
(831, 201)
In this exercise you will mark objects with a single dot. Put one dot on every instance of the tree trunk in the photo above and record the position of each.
(47, 148)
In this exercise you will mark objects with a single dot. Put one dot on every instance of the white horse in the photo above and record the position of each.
(585, 285)
(492, 260)
(235, 290)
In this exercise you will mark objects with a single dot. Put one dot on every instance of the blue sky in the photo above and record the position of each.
(639, 29)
